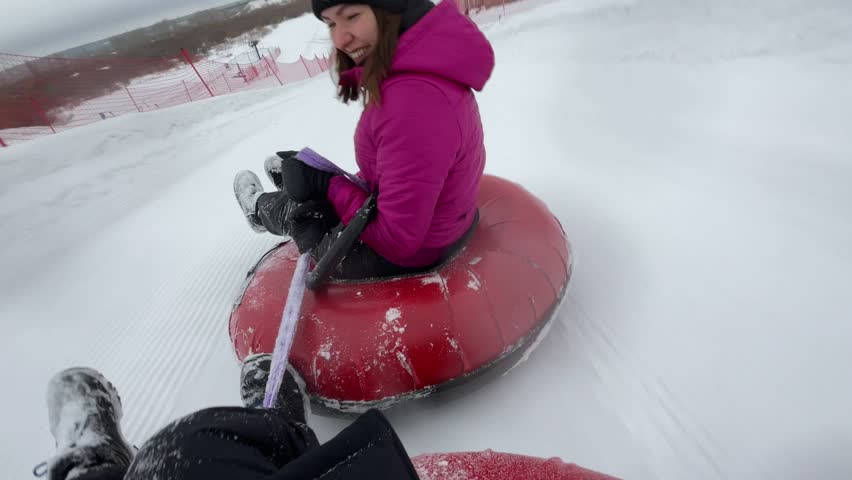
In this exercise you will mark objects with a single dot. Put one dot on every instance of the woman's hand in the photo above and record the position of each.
(310, 222)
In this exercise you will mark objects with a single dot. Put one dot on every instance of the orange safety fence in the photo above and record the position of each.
(43, 95)
(40, 96)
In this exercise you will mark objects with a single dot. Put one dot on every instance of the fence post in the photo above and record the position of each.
(43, 115)
(187, 90)
(2, 143)
(132, 99)
(186, 56)
(305, 65)
(225, 77)
(272, 70)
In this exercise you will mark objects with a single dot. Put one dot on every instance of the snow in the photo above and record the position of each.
(255, 4)
(473, 283)
(438, 280)
(303, 35)
(696, 152)
(390, 339)
(325, 350)
(392, 315)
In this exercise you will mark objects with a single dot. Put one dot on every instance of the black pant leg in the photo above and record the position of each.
(223, 443)
(111, 472)
(364, 262)
(273, 209)
(368, 449)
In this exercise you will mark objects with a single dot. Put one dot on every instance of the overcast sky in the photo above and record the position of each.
(40, 27)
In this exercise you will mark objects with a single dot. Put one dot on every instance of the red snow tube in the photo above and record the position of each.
(363, 344)
(490, 465)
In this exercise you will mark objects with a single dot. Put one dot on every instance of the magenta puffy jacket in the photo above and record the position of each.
(422, 148)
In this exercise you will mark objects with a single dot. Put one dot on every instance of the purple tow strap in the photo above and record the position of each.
(287, 330)
(293, 307)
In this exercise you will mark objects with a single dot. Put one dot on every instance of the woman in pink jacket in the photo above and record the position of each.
(418, 144)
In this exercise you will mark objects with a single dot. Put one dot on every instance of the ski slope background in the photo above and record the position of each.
(303, 36)
(697, 153)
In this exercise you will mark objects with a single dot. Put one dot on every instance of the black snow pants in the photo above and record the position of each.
(234, 443)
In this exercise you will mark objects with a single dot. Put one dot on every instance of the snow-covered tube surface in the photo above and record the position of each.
(363, 344)
(489, 465)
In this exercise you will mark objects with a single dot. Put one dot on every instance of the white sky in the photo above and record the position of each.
(40, 27)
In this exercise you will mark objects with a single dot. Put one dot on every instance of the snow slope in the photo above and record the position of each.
(697, 154)
(303, 36)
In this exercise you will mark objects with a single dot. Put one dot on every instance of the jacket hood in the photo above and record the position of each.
(444, 43)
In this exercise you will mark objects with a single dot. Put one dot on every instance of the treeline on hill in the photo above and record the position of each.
(60, 83)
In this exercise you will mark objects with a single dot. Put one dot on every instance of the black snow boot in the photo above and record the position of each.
(84, 411)
(291, 400)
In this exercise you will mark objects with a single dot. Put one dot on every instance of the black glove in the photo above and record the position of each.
(303, 182)
(310, 222)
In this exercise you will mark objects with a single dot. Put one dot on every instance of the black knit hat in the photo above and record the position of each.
(411, 10)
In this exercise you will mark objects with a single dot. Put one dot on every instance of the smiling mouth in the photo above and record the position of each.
(359, 54)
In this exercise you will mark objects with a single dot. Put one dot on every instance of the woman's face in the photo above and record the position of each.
(353, 29)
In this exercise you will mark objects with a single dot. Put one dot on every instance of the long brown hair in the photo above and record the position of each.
(376, 66)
